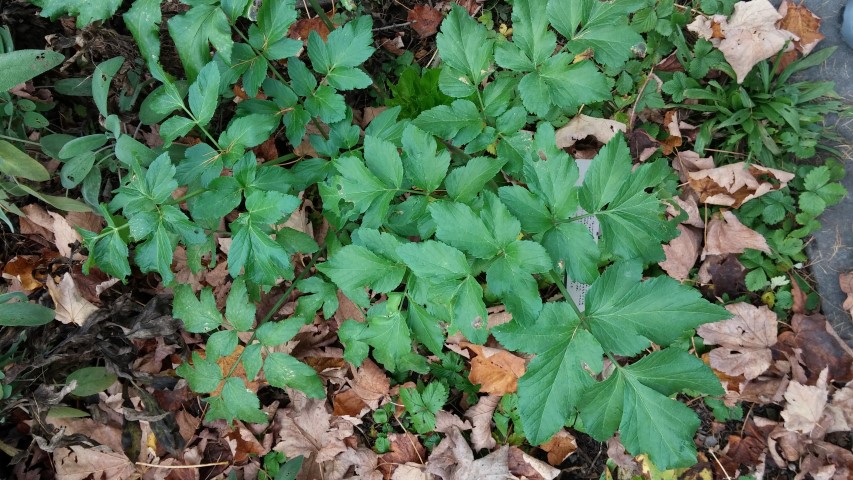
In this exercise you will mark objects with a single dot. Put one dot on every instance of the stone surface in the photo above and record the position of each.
(831, 250)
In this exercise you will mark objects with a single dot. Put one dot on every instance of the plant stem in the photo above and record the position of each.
(558, 279)
(315, 5)
(275, 307)
(14, 139)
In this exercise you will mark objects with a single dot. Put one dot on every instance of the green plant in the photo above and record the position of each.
(432, 219)
(278, 467)
(507, 420)
(772, 120)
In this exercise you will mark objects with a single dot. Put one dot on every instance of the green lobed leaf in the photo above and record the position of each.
(236, 402)
(635, 399)
(465, 182)
(459, 122)
(601, 26)
(423, 406)
(433, 260)
(550, 391)
(203, 375)
(239, 311)
(354, 267)
(194, 31)
(199, 315)
(204, 94)
(625, 314)
(282, 370)
(458, 226)
(532, 41)
(423, 166)
(85, 11)
(273, 334)
(466, 52)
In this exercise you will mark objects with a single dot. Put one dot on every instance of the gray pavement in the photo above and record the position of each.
(831, 249)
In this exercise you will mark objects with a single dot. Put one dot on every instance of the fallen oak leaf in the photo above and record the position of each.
(735, 184)
(727, 235)
(101, 462)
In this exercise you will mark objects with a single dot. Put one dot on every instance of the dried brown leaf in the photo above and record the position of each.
(425, 20)
(805, 405)
(370, 384)
(800, 21)
(689, 161)
(405, 448)
(747, 37)
(445, 421)
(744, 340)
(523, 465)
(681, 253)
(735, 184)
(559, 447)
(306, 428)
(496, 370)
(481, 417)
(78, 463)
(727, 235)
(583, 126)
(70, 305)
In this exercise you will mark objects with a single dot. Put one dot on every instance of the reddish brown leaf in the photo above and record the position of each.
(496, 370)
(800, 21)
(559, 447)
(405, 448)
(425, 20)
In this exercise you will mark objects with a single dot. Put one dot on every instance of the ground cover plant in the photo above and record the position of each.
(248, 239)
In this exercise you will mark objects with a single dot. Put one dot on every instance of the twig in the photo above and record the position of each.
(390, 27)
(143, 464)
(721, 465)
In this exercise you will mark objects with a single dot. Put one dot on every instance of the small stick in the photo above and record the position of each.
(143, 464)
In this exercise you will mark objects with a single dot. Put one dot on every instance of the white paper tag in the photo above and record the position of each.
(578, 290)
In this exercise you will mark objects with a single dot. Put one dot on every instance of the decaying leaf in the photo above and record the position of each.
(559, 447)
(735, 184)
(583, 126)
(306, 428)
(453, 459)
(805, 406)
(813, 345)
(425, 20)
(744, 340)
(690, 161)
(522, 465)
(445, 421)
(78, 463)
(481, 417)
(370, 384)
(727, 235)
(747, 37)
(800, 21)
(405, 448)
(22, 269)
(71, 307)
(681, 253)
(496, 370)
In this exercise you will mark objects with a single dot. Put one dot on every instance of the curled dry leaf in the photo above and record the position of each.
(583, 126)
(481, 417)
(728, 235)
(523, 465)
(744, 340)
(800, 21)
(735, 184)
(688, 205)
(747, 37)
(813, 345)
(424, 19)
(70, 305)
(690, 161)
(495, 370)
(453, 459)
(681, 253)
(445, 421)
(560, 446)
